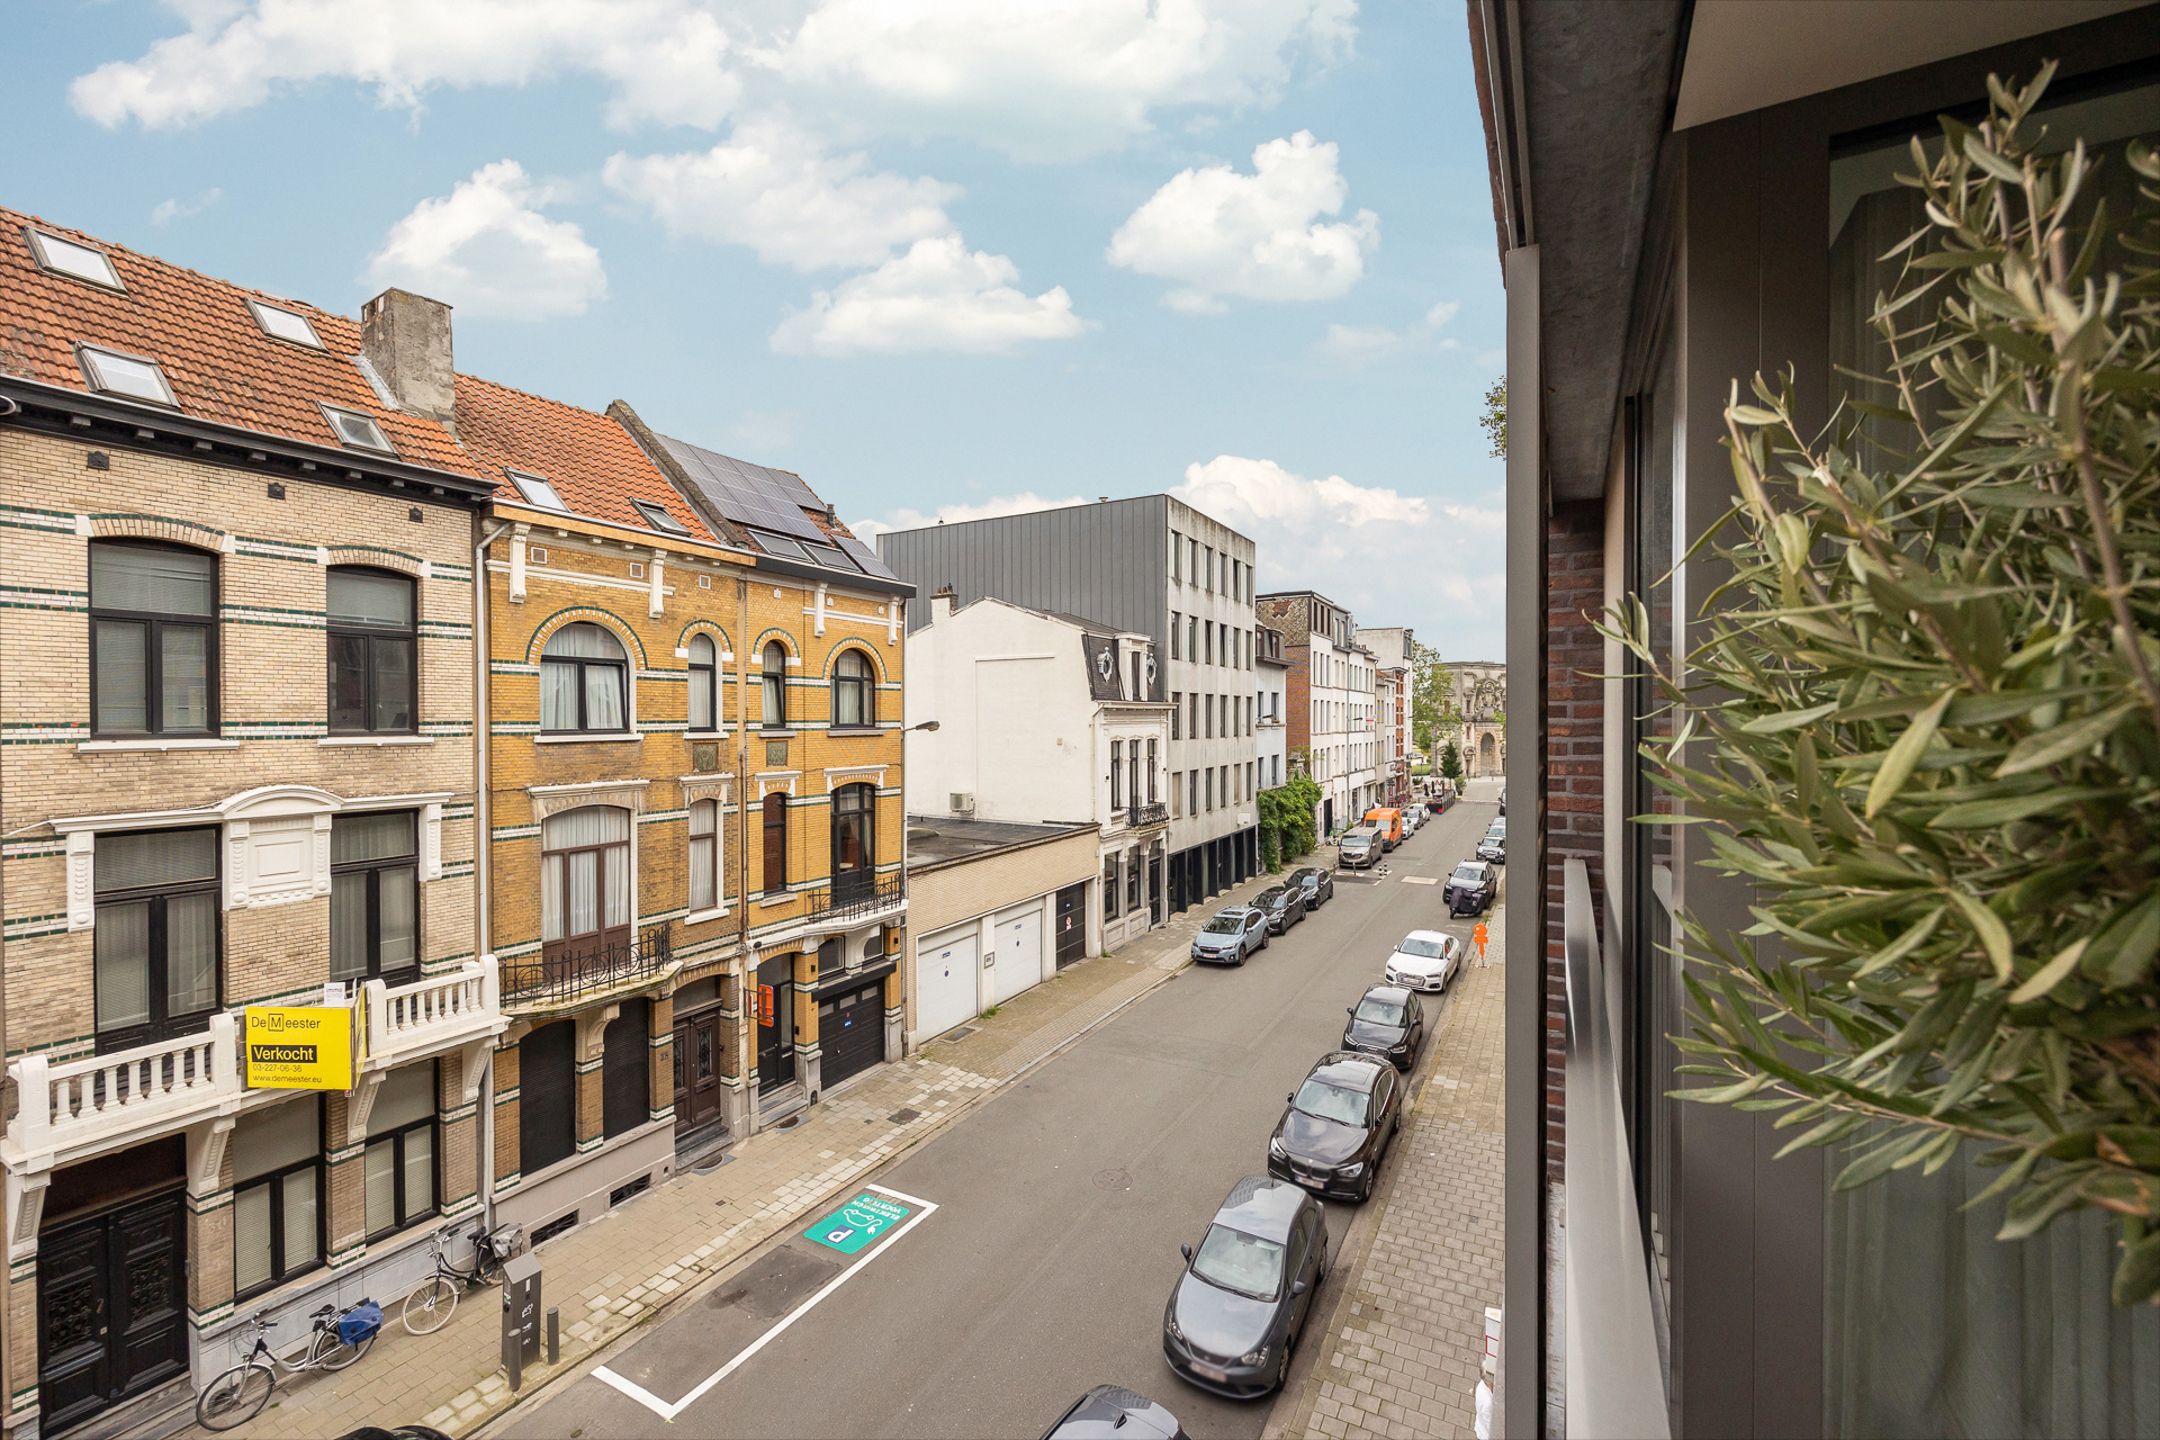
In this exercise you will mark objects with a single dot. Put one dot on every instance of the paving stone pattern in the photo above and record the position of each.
(1404, 1360)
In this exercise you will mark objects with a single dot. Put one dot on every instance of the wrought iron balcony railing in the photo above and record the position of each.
(844, 898)
(553, 976)
(1154, 813)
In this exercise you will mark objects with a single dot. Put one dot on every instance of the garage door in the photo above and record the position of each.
(1019, 951)
(851, 1032)
(945, 981)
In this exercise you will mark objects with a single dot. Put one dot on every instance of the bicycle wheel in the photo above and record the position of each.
(428, 1308)
(330, 1353)
(235, 1397)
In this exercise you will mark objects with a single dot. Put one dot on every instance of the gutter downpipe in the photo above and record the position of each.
(746, 987)
(483, 850)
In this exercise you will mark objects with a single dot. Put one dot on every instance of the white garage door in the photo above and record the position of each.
(945, 981)
(1019, 951)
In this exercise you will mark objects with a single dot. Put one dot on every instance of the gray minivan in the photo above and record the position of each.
(1361, 848)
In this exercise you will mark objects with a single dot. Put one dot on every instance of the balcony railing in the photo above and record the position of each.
(1155, 813)
(543, 981)
(842, 899)
(441, 1009)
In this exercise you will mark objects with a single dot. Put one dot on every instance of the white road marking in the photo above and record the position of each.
(1419, 880)
(668, 1412)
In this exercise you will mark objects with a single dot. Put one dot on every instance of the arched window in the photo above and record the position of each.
(153, 639)
(584, 681)
(854, 842)
(371, 628)
(854, 691)
(775, 842)
(704, 691)
(584, 882)
(704, 855)
(773, 682)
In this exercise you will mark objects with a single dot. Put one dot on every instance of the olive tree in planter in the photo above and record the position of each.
(1921, 716)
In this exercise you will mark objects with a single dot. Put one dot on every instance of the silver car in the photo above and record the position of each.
(1360, 848)
(1231, 935)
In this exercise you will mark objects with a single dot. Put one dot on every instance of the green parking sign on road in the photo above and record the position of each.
(857, 1223)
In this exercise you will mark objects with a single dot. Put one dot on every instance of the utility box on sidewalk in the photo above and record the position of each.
(520, 1315)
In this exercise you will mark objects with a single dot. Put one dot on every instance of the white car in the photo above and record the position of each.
(1424, 960)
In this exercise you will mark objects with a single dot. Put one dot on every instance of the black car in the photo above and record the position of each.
(1338, 1125)
(1231, 935)
(1319, 885)
(1471, 889)
(1284, 906)
(1246, 1291)
(1111, 1412)
(1388, 1022)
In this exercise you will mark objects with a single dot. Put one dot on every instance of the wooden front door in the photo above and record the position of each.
(697, 1070)
(776, 1023)
(111, 1308)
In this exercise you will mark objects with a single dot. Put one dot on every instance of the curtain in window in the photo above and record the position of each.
(251, 1238)
(419, 1172)
(367, 597)
(773, 684)
(559, 696)
(852, 692)
(703, 669)
(123, 965)
(371, 836)
(303, 1244)
(152, 858)
(123, 675)
(604, 698)
(152, 579)
(704, 855)
(184, 697)
(618, 886)
(398, 917)
(775, 842)
(379, 1181)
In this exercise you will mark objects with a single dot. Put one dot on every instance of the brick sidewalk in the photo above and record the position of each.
(618, 1272)
(1411, 1325)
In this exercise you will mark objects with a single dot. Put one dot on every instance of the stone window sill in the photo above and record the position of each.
(699, 917)
(154, 744)
(376, 740)
(617, 737)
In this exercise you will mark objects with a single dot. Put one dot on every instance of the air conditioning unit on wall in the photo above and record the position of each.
(963, 803)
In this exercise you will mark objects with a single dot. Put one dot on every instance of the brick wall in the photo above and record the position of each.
(1574, 766)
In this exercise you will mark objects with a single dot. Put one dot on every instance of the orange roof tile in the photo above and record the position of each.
(591, 461)
(200, 331)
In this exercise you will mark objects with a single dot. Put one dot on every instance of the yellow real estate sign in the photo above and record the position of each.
(301, 1047)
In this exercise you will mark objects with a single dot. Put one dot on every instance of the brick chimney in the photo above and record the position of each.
(406, 337)
(941, 603)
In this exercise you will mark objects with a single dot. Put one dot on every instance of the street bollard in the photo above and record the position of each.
(516, 1357)
(554, 1334)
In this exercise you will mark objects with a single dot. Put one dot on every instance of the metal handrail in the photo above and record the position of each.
(1155, 812)
(837, 901)
(542, 979)
(1615, 1381)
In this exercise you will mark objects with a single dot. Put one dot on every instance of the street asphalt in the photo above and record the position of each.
(1061, 1204)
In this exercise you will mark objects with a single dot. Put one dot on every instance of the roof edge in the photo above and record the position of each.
(671, 470)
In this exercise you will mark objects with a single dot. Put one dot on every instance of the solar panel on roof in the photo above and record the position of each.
(748, 494)
(866, 557)
(830, 557)
(779, 545)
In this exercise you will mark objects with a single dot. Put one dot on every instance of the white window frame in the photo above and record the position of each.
(87, 356)
(263, 310)
(331, 416)
(45, 246)
(658, 517)
(526, 482)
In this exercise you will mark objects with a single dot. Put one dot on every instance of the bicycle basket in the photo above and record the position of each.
(356, 1324)
(505, 1241)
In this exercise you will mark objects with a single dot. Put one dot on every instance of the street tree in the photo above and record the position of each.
(1434, 713)
(1451, 762)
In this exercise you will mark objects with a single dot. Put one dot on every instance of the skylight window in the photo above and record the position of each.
(658, 517)
(536, 490)
(356, 431)
(773, 544)
(65, 257)
(129, 375)
(285, 325)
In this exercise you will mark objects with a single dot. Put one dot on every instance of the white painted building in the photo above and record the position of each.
(1043, 718)
(1271, 730)
(1331, 708)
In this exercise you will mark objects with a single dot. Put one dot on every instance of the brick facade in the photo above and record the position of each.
(1574, 766)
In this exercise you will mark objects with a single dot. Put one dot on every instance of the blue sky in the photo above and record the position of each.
(943, 258)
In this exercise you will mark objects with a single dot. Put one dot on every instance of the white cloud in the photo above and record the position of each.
(774, 189)
(1050, 79)
(1254, 237)
(1363, 344)
(940, 295)
(1025, 503)
(669, 60)
(174, 208)
(486, 249)
(765, 431)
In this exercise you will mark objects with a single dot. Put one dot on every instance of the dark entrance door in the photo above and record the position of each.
(1155, 892)
(111, 1318)
(851, 1032)
(1327, 817)
(1071, 924)
(776, 1024)
(697, 1070)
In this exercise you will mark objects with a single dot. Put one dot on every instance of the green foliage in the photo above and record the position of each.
(1921, 715)
(1287, 831)
(1494, 419)
(1433, 711)
(1451, 762)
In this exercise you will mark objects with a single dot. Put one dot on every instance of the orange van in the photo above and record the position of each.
(1389, 823)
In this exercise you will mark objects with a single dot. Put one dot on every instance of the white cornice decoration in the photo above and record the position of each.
(621, 794)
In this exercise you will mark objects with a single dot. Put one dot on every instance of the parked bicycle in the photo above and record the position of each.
(428, 1308)
(338, 1338)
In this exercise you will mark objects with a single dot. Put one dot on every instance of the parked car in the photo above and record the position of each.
(1337, 1126)
(1389, 822)
(1284, 905)
(1494, 846)
(1359, 849)
(1503, 799)
(1388, 1022)
(1472, 888)
(1424, 960)
(1319, 885)
(1247, 1289)
(1412, 817)
(1231, 935)
(1111, 1412)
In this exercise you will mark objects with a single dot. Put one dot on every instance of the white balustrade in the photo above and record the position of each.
(433, 1010)
(61, 1103)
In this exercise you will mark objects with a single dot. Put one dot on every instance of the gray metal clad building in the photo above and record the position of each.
(1150, 565)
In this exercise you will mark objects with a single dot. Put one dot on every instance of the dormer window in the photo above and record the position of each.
(658, 517)
(79, 262)
(287, 325)
(536, 491)
(129, 375)
(356, 431)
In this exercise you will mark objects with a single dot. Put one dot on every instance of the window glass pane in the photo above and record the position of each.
(584, 892)
(251, 1237)
(419, 1172)
(348, 925)
(583, 642)
(123, 675)
(393, 684)
(703, 817)
(847, 702)
(380, 1183)
(151, 579)
(184, 658)
(155, 857)
(406, 1096)
(603, 697)
(125, 375)
(301, 1245)
(558, 696)
(371, 836)
(397, 915)
(591, 825)
(774, 690)
(551, 898)
(268, 1140)
(367, 597)
(348, 682)
(702, 896)
(701, 696)
(618, 885)
(123, 965)
(702, 651)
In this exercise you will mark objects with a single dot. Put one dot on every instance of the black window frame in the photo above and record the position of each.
(162, 1025)
(373, 869)
(621, 667)
(372, 636)
(772, 687)
(1117, 777)
(865, 686)
(704, 680)
(404, 1219)
(773, 841)
(279, 1273)
(854, 812)
(154, 625)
